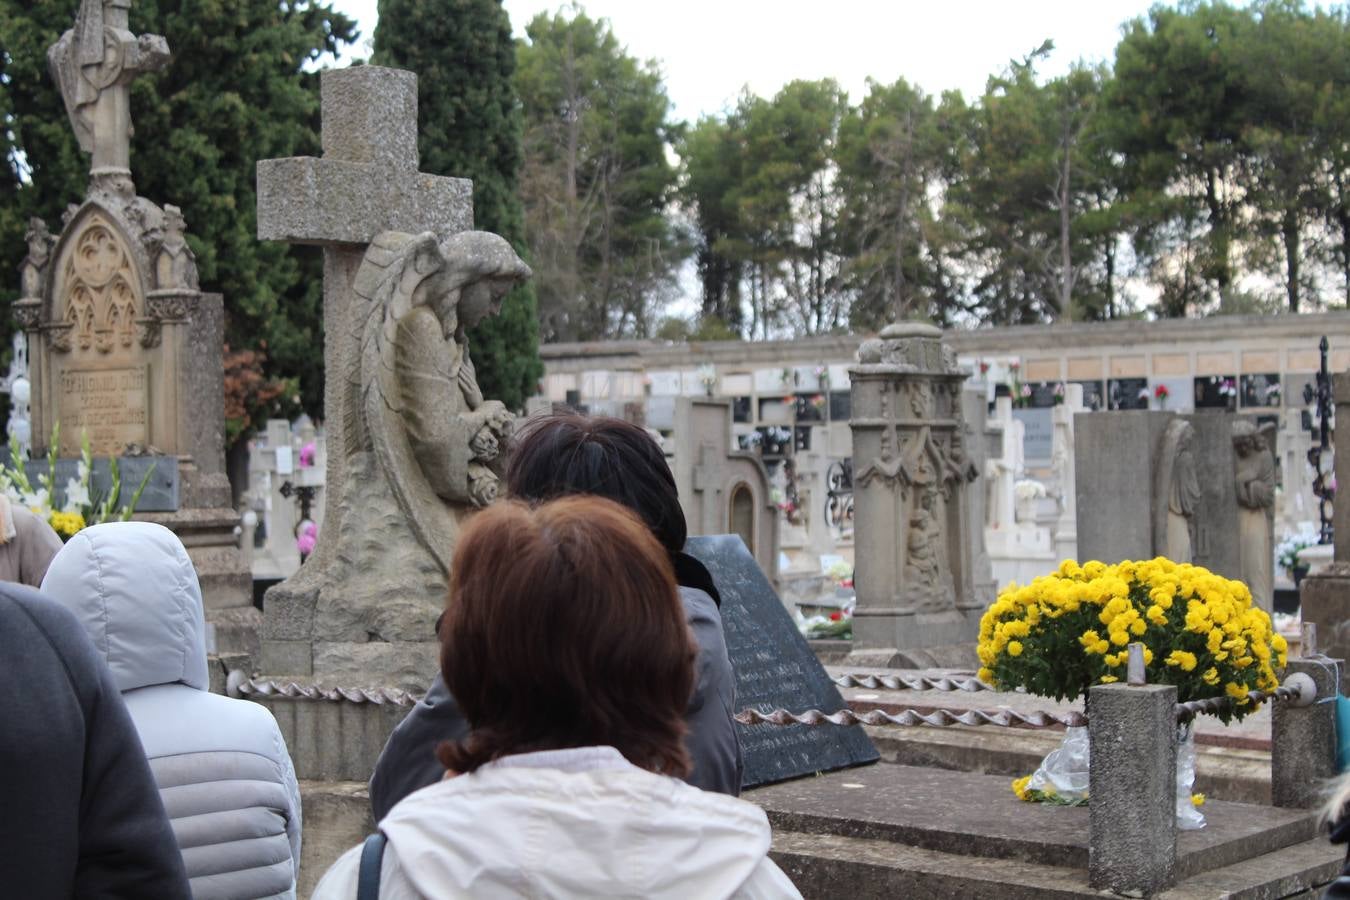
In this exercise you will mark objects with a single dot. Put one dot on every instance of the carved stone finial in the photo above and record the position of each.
(34, 266)
(176, 265)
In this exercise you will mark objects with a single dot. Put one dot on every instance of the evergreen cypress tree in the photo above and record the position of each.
(470, 126)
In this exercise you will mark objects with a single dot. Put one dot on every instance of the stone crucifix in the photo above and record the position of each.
(94, 63)
(366, 183)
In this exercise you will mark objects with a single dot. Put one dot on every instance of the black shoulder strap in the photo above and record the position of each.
(368, 876)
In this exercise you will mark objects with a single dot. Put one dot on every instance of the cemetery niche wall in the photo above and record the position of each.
(125, 349)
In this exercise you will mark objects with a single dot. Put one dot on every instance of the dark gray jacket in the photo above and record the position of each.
(408, 761)
(82, 816)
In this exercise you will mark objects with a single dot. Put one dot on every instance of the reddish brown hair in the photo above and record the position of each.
(564, 628)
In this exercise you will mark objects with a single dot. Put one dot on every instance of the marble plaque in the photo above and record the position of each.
(111, 406)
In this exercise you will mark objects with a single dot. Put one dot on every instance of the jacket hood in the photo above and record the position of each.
(135, 591)
(574, 823)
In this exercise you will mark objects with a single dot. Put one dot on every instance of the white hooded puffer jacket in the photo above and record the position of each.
(221, 764)
(577, 823)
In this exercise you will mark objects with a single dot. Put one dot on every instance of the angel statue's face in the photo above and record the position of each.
(481, 299)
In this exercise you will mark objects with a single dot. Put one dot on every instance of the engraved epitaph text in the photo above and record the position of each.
(108, 405)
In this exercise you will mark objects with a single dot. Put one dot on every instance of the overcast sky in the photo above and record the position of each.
(710, 49)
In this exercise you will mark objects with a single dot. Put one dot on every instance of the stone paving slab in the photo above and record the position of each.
(1252, 733)
(830, 866)
(978, 815)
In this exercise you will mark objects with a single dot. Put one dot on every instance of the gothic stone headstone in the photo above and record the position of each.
(124, 348)
(365, 184)
(775, 669)
(913, 562)
(722, 490)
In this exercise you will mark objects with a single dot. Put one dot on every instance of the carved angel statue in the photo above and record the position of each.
(1256, 501)
(419, 426)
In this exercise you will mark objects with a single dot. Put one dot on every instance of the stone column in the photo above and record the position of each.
(1303, 739)
(1132, 835)
(912, 468)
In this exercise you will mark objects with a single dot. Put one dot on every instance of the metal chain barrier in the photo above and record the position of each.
(938, 718)
(1299, 690)
(911, 683)
(245, 687)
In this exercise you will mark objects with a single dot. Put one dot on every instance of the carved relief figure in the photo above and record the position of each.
(176, 265)
(1183, 500)
(1256, 499)
(422, 429)
(94, 64)
(928, 583)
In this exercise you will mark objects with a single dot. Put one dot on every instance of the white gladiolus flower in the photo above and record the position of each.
(77, 496)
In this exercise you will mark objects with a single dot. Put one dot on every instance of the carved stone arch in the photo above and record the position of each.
(743, 513)
(97, 287)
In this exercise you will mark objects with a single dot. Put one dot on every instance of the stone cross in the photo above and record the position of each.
(366, 183)
(95, 63)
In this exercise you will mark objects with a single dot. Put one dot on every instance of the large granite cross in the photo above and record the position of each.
(366, 183)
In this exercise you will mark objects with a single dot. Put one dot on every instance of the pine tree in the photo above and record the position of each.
(233, 93)
(469, 126)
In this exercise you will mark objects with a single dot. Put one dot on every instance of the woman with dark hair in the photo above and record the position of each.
(564, 641)
(565, 454)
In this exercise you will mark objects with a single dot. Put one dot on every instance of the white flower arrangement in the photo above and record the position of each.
(1029, 489)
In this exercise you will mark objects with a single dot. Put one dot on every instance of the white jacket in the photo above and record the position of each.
(568, 823)
(221, 765)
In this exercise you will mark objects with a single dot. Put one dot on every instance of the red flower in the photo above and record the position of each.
(836, 616)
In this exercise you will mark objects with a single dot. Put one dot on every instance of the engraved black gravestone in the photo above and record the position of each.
(775, 669)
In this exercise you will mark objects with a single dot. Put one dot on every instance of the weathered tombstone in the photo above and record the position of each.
(415, 447)
(913, 573)
(775, 669)
(125, 350)
(723, 490)
(1118, 460)
(1216, 545)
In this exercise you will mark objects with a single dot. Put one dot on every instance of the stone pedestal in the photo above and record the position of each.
(1325, 601)
(1132, 788)
(913, 561)
(1303, 739)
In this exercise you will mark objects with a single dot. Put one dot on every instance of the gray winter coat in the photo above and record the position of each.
(408, 761)
(81, 816)
(221, 764)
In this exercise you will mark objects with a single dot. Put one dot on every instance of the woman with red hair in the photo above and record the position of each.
(564, 641)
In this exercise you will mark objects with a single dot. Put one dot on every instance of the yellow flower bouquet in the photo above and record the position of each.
(1069, 630)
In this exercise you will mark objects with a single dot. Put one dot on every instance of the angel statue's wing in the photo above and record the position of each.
(386, 288)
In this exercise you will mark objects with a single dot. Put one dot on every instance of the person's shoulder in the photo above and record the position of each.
(24, 610)
(697, 602)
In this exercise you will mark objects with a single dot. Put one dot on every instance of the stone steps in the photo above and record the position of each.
(829, 866)
(889, 830)
(1222, 773)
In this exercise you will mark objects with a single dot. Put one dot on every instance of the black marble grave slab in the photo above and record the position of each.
(775, 669)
